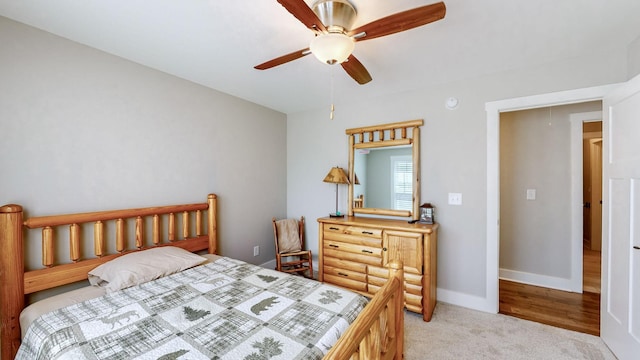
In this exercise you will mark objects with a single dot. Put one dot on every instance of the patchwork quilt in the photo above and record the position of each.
(227, 309)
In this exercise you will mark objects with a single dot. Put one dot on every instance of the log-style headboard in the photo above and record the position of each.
(16, 282)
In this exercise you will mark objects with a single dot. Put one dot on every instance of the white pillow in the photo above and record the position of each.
(142, 266)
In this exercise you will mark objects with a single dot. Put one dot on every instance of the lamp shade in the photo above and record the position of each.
(332, 48)
(336, 176)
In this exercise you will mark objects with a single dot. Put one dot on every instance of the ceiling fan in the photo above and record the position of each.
(331, 21)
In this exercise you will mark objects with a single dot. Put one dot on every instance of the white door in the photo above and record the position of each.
(620, 307)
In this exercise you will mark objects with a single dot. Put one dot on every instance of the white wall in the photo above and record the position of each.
(453, 154)
(81, 130)
(634, 58)
(535, 235)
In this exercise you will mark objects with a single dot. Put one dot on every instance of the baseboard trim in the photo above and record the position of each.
(465, 300)
(269, 264)
(551, 282)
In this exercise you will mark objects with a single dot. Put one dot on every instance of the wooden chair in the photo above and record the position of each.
(291, 257)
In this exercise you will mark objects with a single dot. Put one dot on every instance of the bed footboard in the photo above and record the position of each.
(378, 332)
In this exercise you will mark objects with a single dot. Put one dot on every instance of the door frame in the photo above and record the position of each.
(493, 110)
(577, 120)
(596, 152)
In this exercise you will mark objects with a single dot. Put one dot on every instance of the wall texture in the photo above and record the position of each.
(81, 130)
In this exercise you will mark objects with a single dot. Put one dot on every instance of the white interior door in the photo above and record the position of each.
(620, 306)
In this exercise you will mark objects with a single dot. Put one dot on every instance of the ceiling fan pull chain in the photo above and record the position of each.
(332, 96)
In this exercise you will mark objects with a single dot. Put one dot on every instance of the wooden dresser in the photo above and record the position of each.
(353, 253)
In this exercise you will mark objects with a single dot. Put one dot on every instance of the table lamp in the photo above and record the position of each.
(336, 176)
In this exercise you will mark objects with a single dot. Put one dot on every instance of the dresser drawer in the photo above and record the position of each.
(352, 256)
(346, 274)
(353, 230)
(353, 248)
(345, 282)
(413, 289)
(383, 273)
(376, 280)
(347, 265)
(413, 302)
(353, 235)
(373, 289)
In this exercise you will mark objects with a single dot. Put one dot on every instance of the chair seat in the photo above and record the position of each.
(296, 253)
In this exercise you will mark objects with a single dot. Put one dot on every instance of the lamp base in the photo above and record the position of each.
(334, 215)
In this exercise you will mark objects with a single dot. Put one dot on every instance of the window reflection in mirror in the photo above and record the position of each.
(385, 175)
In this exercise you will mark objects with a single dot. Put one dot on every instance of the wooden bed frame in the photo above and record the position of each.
(377, 333)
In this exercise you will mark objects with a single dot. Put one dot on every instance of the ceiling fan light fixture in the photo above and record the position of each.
(332, 48)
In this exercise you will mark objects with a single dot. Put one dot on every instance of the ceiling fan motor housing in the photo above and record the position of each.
(336, 15)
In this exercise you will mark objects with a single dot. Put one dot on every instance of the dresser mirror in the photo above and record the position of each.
(384, 169)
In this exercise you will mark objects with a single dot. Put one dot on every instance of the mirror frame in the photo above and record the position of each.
(386, 135)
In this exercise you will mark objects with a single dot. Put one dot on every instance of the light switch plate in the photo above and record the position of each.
(531, 194)
(455, 199)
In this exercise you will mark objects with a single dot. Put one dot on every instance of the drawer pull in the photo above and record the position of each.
(636, 247)
(343, 274)
(334, 246)
(333, 228)
(367, 251)
(384, 249)
(367, 232)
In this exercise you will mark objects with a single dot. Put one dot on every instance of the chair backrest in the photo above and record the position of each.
(288, 234)
(358, 202)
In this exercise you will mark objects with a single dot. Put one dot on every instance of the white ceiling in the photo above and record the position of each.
(216, 43)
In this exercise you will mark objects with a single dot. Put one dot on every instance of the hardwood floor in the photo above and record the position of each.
(573, 311)
(591, 272)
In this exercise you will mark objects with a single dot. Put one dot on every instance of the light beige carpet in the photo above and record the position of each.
(458, 333)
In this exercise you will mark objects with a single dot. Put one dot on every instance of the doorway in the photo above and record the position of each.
(592, 214)
(616, 276)
(490, 303)
(539, 249)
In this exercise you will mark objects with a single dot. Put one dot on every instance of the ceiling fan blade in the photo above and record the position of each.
(303, 12)
(283, 59)
(401, 21)
(356, 70)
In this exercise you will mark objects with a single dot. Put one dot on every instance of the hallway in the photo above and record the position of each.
(573, 311)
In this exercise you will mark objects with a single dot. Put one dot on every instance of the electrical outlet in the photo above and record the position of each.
(256, 250)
